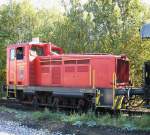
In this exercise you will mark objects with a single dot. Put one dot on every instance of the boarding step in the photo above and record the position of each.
(11, 98)
(11, 92)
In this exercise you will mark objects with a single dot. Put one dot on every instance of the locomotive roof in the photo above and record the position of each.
(30, 43)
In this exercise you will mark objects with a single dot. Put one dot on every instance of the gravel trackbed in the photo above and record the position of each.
(14, 128)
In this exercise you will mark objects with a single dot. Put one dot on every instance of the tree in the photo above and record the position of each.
(99, 26)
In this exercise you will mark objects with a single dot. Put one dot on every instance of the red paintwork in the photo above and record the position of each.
(66, 70)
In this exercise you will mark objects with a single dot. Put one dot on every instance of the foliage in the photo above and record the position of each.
(98, 26)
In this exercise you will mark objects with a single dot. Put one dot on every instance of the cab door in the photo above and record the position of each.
(20, 65)
(16, 66)
(11, 66)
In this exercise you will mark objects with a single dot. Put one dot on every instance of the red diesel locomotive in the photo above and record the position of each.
(41, 74)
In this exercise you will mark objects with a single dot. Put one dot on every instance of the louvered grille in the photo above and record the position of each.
(45, 69)
(82, 69)
(69, 69)
(56, 75)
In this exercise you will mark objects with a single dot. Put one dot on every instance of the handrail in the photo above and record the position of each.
(114, 87)
(15, 70)
(90, 75)
(62, 59)
(7, 83)
(93, 77)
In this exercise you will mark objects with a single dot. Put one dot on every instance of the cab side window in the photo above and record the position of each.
(19, 53)
(12, 54)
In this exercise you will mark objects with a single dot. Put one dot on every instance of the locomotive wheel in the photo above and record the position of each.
(55, 104)
(81, 105)
(49, 101)
(35, 102)
(73, 101)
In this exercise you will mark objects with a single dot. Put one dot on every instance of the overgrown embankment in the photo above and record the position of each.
(59, 121)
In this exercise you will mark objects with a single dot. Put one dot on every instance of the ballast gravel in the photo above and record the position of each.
(14, 128)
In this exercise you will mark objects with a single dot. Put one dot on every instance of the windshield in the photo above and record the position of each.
(37, 50)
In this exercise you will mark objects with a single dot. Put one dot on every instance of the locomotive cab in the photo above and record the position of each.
(21, 57)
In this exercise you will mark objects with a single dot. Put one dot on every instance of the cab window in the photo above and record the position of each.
(19, 53)
(55, 52)
(12, 54)
(36, 50)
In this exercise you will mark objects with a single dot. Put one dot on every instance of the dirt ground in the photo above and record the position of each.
(61, 128)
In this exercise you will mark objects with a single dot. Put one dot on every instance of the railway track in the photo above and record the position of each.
(15, 104)
(132, 112)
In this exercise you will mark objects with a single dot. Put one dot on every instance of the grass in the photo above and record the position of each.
(89, 119)
(18, 114)
(46, 115)
(142, 122)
